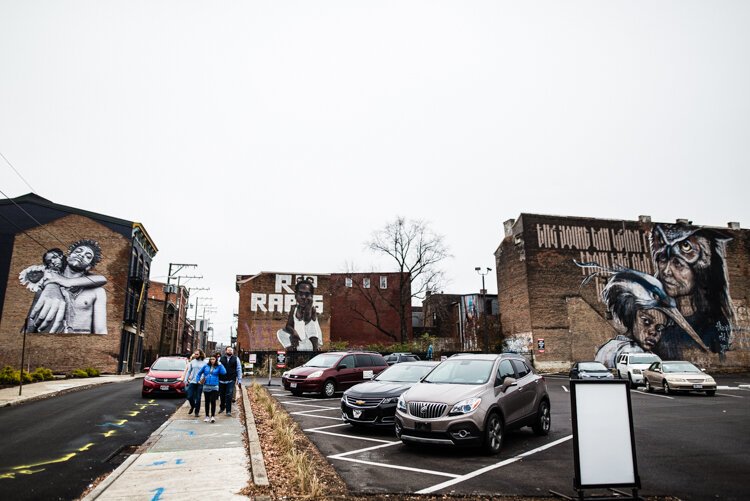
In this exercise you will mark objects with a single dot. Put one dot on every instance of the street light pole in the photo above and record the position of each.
(483, 292)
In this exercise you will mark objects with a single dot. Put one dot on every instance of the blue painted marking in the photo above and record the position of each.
(158, 463)
(189, 432)
(158, 494)
(111, 424)
(179, 461)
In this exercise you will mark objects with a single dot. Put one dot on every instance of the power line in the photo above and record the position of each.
(17, 173)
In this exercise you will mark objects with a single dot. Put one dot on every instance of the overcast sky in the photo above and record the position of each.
(254, 136)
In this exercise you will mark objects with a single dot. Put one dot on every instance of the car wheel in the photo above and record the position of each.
(493, 434)
(630, 380)
(543, 420)
(665, 385)
(710, 393)
(329, 388)
(649, 388)
(143, 395)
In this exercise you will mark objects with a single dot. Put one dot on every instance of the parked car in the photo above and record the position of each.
(334, 371)
(672, 376)
(397, 358)
(590, 370)
(374, 402)
(164, 377)
(473, 400)
(630, 366)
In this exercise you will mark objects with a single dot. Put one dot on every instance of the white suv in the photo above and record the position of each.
(630, 366)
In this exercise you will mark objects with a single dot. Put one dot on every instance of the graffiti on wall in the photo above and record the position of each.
(68, 297)
(302, 330)
(682, 308)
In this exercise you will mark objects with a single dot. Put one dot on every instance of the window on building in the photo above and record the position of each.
(383, 282)
(348, 281)
(366, 283)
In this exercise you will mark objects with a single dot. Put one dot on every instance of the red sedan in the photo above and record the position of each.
(165, 377)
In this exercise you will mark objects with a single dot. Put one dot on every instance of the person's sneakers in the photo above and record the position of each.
(212, 419)
(191, 410)
(229, 414)
(207, 419)
(221, 409)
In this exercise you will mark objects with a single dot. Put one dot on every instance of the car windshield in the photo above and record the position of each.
(680, 367)
(404, 373)
(169, 364)
(324, 361)
(644, 359)
(461, 372)
(592, 367)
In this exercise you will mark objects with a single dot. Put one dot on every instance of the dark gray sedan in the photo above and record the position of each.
(590, 370)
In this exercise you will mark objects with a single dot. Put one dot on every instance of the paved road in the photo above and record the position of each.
(54, 448)
(690, 446)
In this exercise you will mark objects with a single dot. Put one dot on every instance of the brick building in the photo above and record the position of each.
(88, 271)
(178, 328)
(458, 321)
(568, 286)
(353, 308)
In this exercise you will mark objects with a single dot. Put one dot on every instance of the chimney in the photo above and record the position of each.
(508, 227)
(644, 219)
(732, 225)
(684, 221)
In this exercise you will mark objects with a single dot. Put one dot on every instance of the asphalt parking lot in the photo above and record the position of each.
(690, 446)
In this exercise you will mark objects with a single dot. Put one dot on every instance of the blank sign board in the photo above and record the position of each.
(604, 445)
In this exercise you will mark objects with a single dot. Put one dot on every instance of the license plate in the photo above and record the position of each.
(422, 426)
(292, 385)
(164, 387)
(697, 386)
(356, 413)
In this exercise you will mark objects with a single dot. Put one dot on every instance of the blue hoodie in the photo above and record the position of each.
(212, 375)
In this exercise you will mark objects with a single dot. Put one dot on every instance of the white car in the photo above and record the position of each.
(630, 366)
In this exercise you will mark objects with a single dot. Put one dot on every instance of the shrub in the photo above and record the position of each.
(42, 374)
(79, 373)
(92, 372)
(9, 375)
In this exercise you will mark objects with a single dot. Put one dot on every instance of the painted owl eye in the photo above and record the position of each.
(686, 247)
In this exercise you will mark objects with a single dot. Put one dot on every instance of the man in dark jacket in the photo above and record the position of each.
(228, 381)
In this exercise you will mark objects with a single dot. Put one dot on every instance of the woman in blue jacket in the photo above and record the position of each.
(209, 374)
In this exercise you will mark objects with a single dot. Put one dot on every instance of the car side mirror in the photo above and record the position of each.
(146, 369)
(342, 366)
(507, 383)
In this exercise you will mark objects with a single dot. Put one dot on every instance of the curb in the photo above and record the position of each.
(57, 393)
(257, 466)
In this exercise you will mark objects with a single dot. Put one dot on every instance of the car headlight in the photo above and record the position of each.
(465, 406)
(315, 374)
(401, 404)
(391, 400)
(150, 378)
(710, 380)
(636, 371)
(285, 374)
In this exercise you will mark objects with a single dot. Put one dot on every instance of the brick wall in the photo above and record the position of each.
(65, 352)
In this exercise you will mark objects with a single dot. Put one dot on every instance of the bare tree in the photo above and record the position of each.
(418, 252)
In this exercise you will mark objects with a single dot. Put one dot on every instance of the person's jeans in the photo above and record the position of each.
(226, 394)
(211, 402)
(194, 395)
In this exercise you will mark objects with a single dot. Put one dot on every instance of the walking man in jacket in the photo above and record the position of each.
(228, 381)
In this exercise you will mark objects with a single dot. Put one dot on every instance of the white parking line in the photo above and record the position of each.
(491, 467)
(643, 392)
(326, 427)
(398, 467)
(308, 405)
(565, 388)
(727, 395)
(305, 413)
(366, 449)
(367, 439)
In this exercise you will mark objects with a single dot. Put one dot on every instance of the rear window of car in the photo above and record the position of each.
(378, 360)
(409, 358)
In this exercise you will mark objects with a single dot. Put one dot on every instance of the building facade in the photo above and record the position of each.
(278, 311)
(575, 288)
(75, 282)
(459, 321)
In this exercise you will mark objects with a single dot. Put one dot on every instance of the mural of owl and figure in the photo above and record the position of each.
(685, 308)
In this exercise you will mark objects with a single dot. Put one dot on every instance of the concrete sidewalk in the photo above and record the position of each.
(47, 389)
(185, 459)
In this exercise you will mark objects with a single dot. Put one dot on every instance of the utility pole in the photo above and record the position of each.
(179, 312)
(190, 291)
(195, 323)
(163, 350)
(483, 292)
